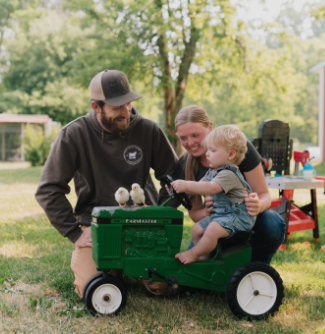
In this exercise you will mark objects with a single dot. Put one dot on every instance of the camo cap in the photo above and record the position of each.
(112, 87)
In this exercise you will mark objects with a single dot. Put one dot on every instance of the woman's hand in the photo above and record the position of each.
(253, 204)
(179, 185)
(256, 180)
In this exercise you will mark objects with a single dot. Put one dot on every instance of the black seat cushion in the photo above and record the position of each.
(237, 238)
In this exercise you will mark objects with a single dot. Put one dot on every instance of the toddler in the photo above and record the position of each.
(228, 188)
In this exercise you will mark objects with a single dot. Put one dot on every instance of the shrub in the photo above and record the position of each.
(37, 144)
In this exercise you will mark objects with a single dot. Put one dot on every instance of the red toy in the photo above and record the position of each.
(300, 156)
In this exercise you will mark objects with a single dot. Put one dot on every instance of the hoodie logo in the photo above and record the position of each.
(133, 154)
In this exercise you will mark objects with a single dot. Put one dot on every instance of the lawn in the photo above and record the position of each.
(37, 292)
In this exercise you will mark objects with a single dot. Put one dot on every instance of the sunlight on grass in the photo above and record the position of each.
(14, 165)
(18, 249)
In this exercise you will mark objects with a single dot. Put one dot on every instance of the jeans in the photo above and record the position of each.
(269, 234)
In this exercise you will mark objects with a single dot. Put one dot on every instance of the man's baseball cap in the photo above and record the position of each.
(112, 87)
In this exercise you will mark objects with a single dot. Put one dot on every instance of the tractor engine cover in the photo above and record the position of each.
(120, 234)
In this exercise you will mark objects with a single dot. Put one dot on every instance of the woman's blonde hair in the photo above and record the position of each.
(230, 137)
(193, 114)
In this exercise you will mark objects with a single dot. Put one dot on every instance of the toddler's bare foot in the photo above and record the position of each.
(186, 257)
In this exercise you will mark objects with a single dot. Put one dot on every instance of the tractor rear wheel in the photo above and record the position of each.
(255, 291)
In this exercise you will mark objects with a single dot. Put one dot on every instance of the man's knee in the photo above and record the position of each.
(83, 266)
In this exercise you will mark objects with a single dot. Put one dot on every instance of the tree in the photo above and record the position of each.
(173, 52)
(36, 66)
(303, 50)
(319, 13)
(166, 41)
(8, 7)
(269, 88)
(295, 22)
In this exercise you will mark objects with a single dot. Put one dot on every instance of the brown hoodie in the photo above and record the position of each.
(100, 163)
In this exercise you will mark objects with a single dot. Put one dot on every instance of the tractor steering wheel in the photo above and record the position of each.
(182, 197)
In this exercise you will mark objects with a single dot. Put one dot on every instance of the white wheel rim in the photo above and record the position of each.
(106, 299)
(256, 293)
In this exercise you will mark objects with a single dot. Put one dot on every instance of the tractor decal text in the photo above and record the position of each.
(142, 221)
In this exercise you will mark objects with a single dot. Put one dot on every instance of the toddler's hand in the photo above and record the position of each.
(179, 185)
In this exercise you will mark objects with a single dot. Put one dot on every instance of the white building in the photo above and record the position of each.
(320, 69)
(12, 132)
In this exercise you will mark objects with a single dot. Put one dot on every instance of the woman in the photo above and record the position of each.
(192, 126)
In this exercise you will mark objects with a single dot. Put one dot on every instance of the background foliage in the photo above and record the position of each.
(50, 50)
(37, 144)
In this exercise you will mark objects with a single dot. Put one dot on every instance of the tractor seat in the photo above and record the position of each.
(237, 238)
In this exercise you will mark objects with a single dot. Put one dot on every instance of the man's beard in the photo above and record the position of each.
(111, 124)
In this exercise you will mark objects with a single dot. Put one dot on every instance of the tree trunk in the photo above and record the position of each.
(173, 100)
(174, 96)
(184, 69)
(169, 91)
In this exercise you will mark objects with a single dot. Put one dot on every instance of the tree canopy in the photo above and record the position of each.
(174, 53)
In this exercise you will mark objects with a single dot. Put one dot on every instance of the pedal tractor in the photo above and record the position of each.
(142, 242)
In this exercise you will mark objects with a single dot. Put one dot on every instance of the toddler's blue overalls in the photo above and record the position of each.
(231, 216)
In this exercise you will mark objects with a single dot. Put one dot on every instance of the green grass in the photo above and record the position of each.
(12, 176)
(38, 296)
(320, 169)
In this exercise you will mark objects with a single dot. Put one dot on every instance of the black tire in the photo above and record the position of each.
(91, 279)
(106, 295)
(259, 301)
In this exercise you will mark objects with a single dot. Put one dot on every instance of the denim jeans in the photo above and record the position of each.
(269, 234)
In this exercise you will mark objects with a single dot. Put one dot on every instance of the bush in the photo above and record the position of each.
(37, 145)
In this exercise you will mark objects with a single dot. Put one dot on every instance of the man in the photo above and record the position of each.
(112, 146)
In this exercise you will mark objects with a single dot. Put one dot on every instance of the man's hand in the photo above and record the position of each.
(85, 239)
(179, 185)
(208, 204)
(253, 204)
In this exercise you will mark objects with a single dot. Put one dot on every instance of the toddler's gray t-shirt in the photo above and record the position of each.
(230, 183)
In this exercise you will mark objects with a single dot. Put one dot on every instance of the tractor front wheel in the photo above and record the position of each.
(255, 291)
(105, 295)
(91, 279)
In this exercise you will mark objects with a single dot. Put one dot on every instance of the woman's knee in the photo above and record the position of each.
(269, 224)
(269, 234)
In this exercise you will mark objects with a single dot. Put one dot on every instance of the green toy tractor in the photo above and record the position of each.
(142, 242)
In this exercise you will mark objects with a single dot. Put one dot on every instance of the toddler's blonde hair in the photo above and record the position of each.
(230, 137)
